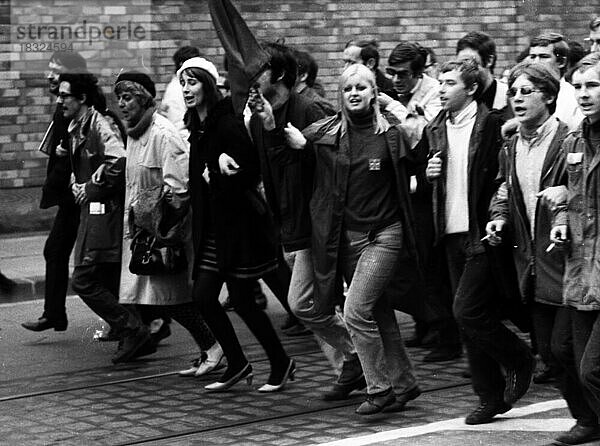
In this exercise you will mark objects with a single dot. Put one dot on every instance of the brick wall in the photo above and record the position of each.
(321, 27)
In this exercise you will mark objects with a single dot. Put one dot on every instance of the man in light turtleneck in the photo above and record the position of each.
(463, 142)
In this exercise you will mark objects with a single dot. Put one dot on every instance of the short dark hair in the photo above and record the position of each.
(482, 43)
(71, 60)
(540, 76)
(409, 52)
(184, 53)
(307, 65)
(560, 47)
(368, 50)
(470, 73)
(576, 52)
(591, 61)
(85, 84)
(594, 24)
(211, 91)
(431, 54)
(282, 63)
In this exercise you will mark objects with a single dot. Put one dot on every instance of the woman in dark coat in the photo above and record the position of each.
(362, 227)
(233, 233)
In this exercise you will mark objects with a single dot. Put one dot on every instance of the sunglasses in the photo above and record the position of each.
(525, 91)
(591, 42)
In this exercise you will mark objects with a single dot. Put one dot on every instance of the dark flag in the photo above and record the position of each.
(245, 57)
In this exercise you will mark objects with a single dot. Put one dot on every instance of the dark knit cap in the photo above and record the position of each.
(139, 78)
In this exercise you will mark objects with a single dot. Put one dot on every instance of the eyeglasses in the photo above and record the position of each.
(64, 96)
(402, 74)
(525, 91)
(591, 42)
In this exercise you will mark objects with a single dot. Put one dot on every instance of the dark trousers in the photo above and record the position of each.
(207, 287)
(490, 345)
(553, 330)
(586, 348)
(430, 300)
(188, 315)
(57, 251)
(98, 287)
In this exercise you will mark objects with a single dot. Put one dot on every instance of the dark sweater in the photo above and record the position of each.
(371, 203)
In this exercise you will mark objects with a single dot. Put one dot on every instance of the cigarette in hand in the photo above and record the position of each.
(487, 237)
(550, 247)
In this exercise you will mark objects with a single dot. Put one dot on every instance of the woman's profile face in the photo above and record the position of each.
(193, 91)
(357, 94)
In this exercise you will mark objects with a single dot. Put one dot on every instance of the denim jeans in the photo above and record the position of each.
(332, 335)
(368, 260)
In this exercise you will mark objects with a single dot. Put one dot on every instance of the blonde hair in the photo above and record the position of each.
(380, 123)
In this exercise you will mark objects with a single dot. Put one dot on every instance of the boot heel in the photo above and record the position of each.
(249, 379)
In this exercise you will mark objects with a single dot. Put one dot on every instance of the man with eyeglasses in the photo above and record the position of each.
(532, 171)
(463, 142)
(594, 39)
(55, 192)
(428, 302)
(552, 50)
(97, 156)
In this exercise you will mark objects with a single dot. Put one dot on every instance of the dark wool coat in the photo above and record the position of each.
(245, 234)
(331, 149)
(484, 146)
(55, 190)
(539, 272)
(288, 174)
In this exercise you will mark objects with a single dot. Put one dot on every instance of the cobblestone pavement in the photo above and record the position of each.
(146, 402)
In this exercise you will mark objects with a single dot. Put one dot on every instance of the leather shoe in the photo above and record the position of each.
(403, 399)
(377, 403)
(130, 345)
(44, 323)
(486, 412)
(518, 381)
(351, 378)
(578, 435)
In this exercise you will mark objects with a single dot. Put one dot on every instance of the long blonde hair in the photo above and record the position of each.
(381, 124)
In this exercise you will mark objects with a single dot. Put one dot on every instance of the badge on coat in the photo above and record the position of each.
(574, 157)
(97, 208)
(374, 163)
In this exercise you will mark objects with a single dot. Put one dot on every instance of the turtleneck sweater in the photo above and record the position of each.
(459, 132)
(371, 202)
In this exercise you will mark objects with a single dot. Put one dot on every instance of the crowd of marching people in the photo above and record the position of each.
(435, 189)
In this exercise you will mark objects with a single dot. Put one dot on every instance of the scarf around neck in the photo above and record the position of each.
(140, 128)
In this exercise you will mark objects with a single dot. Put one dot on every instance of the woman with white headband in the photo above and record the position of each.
(234, 236)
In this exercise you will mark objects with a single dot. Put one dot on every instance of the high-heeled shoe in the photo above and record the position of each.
(290, 374)
(213, 361)
(221, 386)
